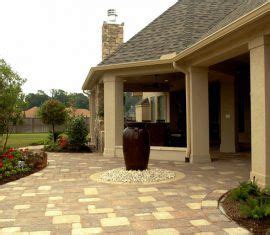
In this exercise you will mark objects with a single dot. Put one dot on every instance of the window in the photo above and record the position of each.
(161, 108)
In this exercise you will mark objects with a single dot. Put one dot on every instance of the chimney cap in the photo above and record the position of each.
(112, 16)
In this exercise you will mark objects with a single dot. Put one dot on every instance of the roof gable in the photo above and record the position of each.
(182, 25)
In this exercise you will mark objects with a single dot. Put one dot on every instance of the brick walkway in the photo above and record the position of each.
(62, 199)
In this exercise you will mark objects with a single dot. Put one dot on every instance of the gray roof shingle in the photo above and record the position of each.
(182, 25)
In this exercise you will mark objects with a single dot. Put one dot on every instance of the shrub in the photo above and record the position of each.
(77, 132)
(245, 190)
(255, 208)
(254, 202)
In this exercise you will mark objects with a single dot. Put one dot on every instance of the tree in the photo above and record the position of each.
(60, 95)
(11, 99)
(54, 113)
(36, 99)
(78, 100)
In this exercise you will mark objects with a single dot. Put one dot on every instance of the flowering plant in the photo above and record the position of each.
(9, 162)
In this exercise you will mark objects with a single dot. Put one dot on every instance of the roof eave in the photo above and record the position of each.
(240, 22)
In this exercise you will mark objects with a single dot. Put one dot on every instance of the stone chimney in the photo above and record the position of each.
(112, 34)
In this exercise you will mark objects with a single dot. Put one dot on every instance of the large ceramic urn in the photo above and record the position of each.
(136, 146)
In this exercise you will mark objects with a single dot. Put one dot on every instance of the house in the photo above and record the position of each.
(31, 113)
(210, 60)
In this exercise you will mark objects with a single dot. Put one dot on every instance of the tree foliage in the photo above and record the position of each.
(53, 112)
(11, 99)
(76, 100)
(36, 99)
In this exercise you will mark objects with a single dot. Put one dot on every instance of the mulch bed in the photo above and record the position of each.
(19, 176)
(232, 209)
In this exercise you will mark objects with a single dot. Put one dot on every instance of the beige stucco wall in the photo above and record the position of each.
(260, 109)
(199, 115)
(113, 113)
(227, 99)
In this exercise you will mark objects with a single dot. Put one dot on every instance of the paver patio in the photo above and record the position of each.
(62, 199)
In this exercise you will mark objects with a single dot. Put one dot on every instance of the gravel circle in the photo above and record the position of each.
(150, 176)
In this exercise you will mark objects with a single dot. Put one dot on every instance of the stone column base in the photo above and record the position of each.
(109, 152)
(262, 180)
(200, 159)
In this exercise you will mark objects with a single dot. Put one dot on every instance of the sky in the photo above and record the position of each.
(54, 43)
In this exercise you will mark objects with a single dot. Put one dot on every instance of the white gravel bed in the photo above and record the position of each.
(152, 175)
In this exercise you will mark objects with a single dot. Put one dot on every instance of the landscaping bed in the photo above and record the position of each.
(16, 164)
(249, 206)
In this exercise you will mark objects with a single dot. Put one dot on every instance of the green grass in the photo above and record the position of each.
(23, 140)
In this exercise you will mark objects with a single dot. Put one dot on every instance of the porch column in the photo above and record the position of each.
(113, 113)
(199, 115)
(92, 114)
(260, 109)
(227, 99)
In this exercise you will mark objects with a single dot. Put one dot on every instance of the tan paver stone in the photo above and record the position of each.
(165, 209)
(194, 206)
(28, 195)
(44, 188)
(205, 233)
(11, 229)
(238, 230)
(53, 213)
(142, 214)
(18, 188)
(37, 174)
(116, 221)
(66, 219)
(226, 172)
(57, 198)
(100, 210)
(2, 198)
(147, 199)
(86, 231)
(90, 191)
(40, 233)
(199, 196)
(67, 180)
(196, 188)
(220, 191)
(147, 190)
(162, 215)
(200, 222)
(111, 215)
(207, 168)
(50, 205)
(210, 203)
(170, 193)
(163, 231)
(6, 220)
(76, 225)
(65, 170)
(21, 207)
(89, 199)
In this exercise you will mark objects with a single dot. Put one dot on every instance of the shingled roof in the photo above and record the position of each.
(182, 25)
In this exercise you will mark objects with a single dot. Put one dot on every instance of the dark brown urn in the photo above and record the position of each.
(136, 146)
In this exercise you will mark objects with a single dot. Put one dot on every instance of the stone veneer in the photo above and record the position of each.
(112, 38)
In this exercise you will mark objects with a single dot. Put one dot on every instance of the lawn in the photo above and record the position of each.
(22, 140)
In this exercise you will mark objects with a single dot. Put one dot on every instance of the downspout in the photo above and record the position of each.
(184, 70)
